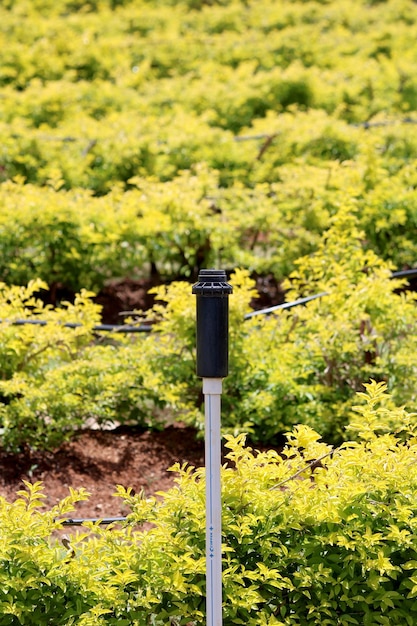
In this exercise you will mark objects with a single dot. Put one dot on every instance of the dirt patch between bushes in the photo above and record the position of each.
(100, 460)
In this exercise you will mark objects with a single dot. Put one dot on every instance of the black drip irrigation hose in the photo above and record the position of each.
(102, 521)
(285, 305)
(405, 273)
(147, 328)
(288, 305)
(114, 328)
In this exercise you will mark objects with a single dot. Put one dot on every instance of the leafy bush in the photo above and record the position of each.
(56, 379)
(316, 535)
(179, 203)
(101, 386)
(305, 364)
(30, 347)
(29, 351)
(68, 238)
(301, 365)
(64, 238)
(120, 157)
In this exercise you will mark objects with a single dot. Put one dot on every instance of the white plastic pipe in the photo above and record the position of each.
(212, 389)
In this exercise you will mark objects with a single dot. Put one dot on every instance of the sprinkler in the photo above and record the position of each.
(212, 293)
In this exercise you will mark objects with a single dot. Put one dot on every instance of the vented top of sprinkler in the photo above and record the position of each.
(212, 283)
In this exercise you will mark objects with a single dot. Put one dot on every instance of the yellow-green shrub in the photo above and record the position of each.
(316, 535)
(301, 365)
(44, 582)
(30, 352)
(32, 347)
(139, 106)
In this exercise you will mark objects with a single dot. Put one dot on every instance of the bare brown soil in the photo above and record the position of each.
(100, 460)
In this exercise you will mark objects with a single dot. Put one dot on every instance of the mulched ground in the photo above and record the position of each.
(100, 460)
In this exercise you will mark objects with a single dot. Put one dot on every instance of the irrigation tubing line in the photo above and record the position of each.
(405, 273)
(93, 142)
(142, 328)
(365, 125)
(285, 305)
(288, 305)
(102, 521)
(147, 328)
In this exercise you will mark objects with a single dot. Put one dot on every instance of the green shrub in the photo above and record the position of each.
(302, 365)
(29, 352)
(316, 535)
(118, 158)
(45, 582)
(31, 347)
(102, 386)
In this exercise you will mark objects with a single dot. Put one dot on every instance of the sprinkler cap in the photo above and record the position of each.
(212, 283)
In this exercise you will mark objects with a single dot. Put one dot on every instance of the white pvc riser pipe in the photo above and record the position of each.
(212, 390)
